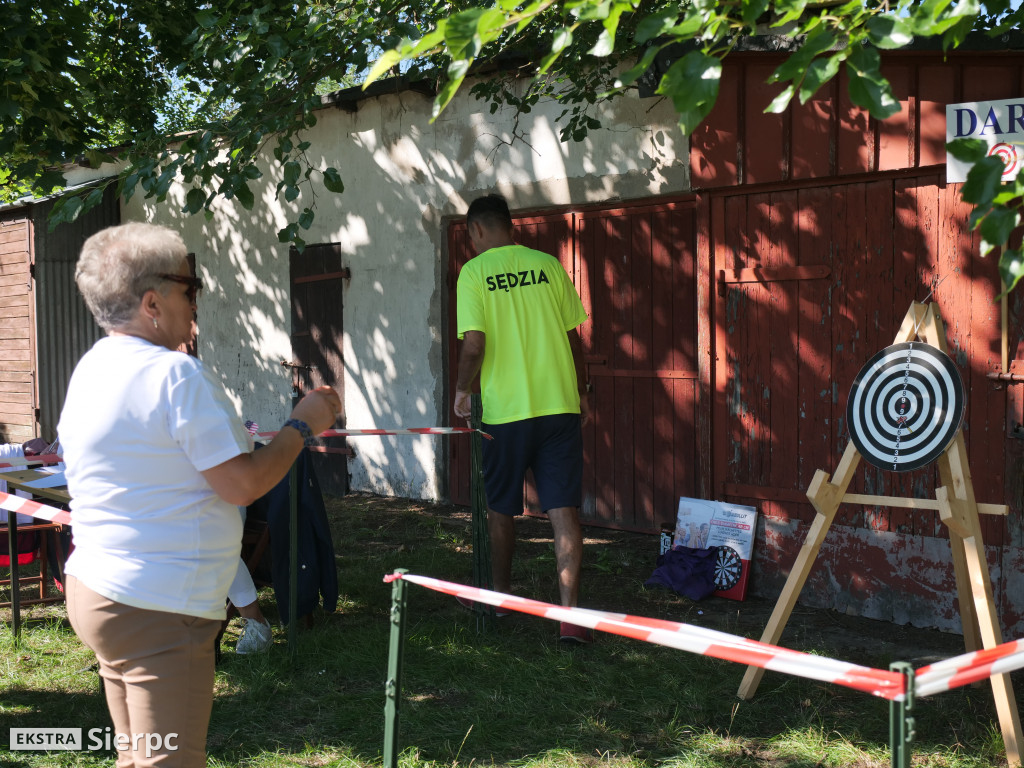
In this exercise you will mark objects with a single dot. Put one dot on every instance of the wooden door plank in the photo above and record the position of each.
(642, 307)
(848, 318)
(878, 306)
(782, 443)
(896, 145)
(814, 342)
(813, 130)
(766, 138)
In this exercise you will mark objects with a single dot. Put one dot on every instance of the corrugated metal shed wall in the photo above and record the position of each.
(65, 328)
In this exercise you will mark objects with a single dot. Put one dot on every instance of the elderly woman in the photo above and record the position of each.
(157, 462)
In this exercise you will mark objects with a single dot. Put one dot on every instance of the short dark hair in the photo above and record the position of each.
(490, 211)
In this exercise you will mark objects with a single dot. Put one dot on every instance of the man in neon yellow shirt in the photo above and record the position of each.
(517, 317)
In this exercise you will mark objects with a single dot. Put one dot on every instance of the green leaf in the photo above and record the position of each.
(630, 76)
(194, 201)
(427, 42)
(292, 171)
(793, 68)
(868, 88)
(997, 226)
(288, 233)
(206, 18)
(290, 192)
(332, 180)
(780, 102)
(983, 181)
(788, 10)
(753, 10)
(820, 71)
(306, 218)
(967, 150)
(561, 40)
(655, 25)
(462, 33)
(245, 196)
(889, 31)
(49, 180)
(692, 84)
(387, 60)
(97, 158)
(1011, 267)
(456, 74)
(67, 209)
(604, 46)
(593, 11)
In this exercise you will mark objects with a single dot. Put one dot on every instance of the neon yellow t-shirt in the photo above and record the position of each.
(524, 303)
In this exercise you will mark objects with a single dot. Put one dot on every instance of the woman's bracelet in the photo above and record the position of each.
(303, 429)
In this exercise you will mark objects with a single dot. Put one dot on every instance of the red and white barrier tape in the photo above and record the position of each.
(13, 503)
(707, 642)
(969, 668)
(408, 431)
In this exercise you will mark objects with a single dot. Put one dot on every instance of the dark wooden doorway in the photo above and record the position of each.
(317, 280)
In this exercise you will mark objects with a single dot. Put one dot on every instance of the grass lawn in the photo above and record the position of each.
(513, 696)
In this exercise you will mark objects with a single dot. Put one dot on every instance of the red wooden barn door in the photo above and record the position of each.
(636, 271)
(811, 283)
(634, 268)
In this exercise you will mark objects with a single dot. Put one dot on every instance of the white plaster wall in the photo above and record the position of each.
(405, 177)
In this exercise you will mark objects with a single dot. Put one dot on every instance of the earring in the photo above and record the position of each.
(155, 323)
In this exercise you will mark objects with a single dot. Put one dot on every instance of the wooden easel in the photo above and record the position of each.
(957, 508)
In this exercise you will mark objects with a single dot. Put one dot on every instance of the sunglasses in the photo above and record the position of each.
(195, 285)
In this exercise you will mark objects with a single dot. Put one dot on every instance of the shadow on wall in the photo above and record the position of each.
(404, 176)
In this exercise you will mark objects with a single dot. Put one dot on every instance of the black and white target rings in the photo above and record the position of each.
(728, 568)
(905, 406)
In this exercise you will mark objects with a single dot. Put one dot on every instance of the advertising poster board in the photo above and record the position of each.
(731, 527)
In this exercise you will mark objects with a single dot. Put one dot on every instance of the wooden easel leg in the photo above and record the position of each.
(974, 584)
(991, 635)
(965, 598)
(823, 493)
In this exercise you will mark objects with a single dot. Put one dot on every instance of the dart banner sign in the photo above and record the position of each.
(731, 528)
(1000, 124)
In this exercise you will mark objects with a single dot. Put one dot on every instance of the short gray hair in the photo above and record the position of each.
(119, 264)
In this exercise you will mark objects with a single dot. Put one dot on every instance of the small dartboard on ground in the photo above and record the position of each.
(906, 406)
(728, 568)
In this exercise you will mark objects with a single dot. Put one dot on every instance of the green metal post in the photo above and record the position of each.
(393, 685)
(901, 718)
(293, 558)
(478, 499)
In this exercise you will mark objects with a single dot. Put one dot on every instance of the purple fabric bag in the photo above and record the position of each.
(687, 571)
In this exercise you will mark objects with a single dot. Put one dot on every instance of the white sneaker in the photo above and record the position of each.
(256, 637)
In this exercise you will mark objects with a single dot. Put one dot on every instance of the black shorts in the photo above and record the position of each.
(552, 446)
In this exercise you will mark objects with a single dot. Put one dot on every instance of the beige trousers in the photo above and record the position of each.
(157, 670)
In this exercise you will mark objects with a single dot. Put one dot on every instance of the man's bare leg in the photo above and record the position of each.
(503, 543)
(565, 521)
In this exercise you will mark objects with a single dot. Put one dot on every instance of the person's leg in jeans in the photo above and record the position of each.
(158, 670)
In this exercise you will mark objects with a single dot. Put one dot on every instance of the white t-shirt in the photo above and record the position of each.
(139, 424)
